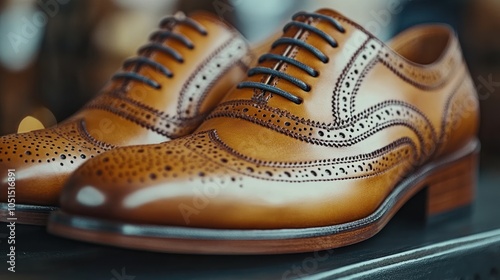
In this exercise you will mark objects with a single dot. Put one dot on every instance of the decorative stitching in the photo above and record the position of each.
(157, 121)
(213, 149)
(222, 59)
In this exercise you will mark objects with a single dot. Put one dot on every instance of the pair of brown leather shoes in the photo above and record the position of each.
(328, 136)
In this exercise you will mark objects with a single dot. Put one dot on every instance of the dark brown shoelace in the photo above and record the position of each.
(295, 42)
(157, 38)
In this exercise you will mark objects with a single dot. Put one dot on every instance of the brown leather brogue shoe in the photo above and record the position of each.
(330, 135)
(164, 93)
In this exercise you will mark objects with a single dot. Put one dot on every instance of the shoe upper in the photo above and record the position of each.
(320, 133)
(164, 93)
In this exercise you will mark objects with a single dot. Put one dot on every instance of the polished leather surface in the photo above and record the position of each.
(128, 112)
(375, 113)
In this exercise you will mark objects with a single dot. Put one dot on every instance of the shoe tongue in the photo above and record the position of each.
(330, 13)
(201, 16)
(338, 15)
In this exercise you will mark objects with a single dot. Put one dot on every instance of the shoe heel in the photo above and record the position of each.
(452, 187)
(449, 192)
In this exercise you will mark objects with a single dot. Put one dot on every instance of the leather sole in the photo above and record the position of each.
(449, 183)
(26, 214)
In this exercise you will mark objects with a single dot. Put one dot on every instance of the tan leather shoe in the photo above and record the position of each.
(164, 93)
(332, 133)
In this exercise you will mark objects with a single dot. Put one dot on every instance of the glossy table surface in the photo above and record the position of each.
(462, 247)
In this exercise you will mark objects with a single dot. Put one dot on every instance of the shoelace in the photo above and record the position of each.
(280, 58)
(157, 39)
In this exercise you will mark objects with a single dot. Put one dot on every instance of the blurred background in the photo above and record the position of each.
(55, 55)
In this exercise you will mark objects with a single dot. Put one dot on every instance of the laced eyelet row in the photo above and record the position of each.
(157, 38)
(300, 65)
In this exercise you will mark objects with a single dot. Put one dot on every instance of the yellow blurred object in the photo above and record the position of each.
(28, 124)
(39, 119)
